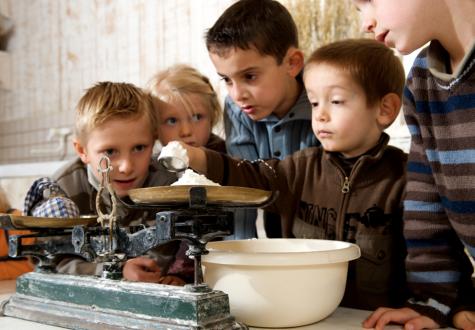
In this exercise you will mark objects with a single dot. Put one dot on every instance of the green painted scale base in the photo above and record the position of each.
(86, 302)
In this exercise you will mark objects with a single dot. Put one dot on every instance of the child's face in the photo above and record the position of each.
(177, 124)
(256, 83)
(128, 143)
(341, 119)
(402, 24)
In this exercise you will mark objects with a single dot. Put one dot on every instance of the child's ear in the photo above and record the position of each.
(389, 108)
(294, 61)
(80, 150)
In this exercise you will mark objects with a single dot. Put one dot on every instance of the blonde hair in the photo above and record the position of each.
(107, 100)
(179, 82)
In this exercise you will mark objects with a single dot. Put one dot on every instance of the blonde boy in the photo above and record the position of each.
(116, 120)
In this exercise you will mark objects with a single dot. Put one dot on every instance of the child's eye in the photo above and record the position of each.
(226, 80)
(110, 152)
(171, 121)
(250, 76)
(140, 148)
(338, 102)
(197, 117)
(314, 104)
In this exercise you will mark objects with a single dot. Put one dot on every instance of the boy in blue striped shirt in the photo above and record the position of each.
(439, 106)
(254, 48)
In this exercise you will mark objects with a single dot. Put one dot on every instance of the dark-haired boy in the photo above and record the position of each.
(254, 48)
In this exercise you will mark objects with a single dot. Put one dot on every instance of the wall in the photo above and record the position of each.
(59, 48)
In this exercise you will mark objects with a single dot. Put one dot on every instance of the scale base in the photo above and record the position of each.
(85, 302)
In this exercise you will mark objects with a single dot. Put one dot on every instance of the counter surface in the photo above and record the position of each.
(341, 319)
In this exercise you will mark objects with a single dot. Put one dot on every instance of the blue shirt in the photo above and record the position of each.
(269, 137)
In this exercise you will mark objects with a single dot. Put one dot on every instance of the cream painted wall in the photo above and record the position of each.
(59, 48)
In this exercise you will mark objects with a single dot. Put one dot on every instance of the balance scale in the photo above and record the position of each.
(197, 214)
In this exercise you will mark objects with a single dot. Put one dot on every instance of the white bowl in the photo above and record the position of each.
(279, 282)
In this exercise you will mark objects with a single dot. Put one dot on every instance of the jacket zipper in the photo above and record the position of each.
(346, 186)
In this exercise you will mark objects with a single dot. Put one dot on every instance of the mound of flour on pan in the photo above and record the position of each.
(192, 178)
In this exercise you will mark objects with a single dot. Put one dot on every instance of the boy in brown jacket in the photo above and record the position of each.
(351, 188)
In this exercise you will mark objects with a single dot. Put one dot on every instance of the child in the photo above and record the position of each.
(439, 105)
(351, 188)
(10, 268)
(103, 114)
(189, 108)
(254, 48)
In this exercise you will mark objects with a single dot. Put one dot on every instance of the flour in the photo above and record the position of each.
(174, 157)
(191, 178)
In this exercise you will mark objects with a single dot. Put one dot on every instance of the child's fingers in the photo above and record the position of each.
(421, 322)
(150, 277)
(383, 316)
(465, 320)
(373, 318)
(171, 280)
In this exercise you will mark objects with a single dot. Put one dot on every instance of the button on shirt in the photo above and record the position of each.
(270, 137)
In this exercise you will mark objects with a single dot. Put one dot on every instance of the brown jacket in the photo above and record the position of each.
(73, 179)
(317, 200)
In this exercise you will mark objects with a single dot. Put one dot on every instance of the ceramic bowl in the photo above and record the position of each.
(279, 282)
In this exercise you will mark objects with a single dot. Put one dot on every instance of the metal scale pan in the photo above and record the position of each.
(11, 221)
(216, 196)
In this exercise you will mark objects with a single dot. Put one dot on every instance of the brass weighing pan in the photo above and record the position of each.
(10, 221)
(215, 195)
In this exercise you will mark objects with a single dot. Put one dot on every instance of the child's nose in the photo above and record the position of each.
(238, 92)
(185, 129)
(369, 24)
(320, 114)
(125, 165)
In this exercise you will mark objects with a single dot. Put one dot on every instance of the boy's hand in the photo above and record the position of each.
(142, 269)
(465, 320)
(411, 319)
(197, 158)
(171, 280)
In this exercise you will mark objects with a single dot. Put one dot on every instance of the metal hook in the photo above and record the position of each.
(104, 168)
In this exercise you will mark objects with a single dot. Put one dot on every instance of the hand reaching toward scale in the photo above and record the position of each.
(144, 269)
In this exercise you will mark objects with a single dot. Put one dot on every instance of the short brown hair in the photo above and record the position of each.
(372, 65)
(265, 25)
(178, 82)
(107, 100)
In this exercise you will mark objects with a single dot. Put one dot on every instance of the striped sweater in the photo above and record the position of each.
(439, 108)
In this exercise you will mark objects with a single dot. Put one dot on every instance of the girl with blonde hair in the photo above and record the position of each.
(188, 107)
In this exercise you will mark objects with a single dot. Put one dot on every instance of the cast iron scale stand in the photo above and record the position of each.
(107, 302)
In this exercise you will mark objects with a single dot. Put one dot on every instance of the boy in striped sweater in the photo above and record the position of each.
(439, 106)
